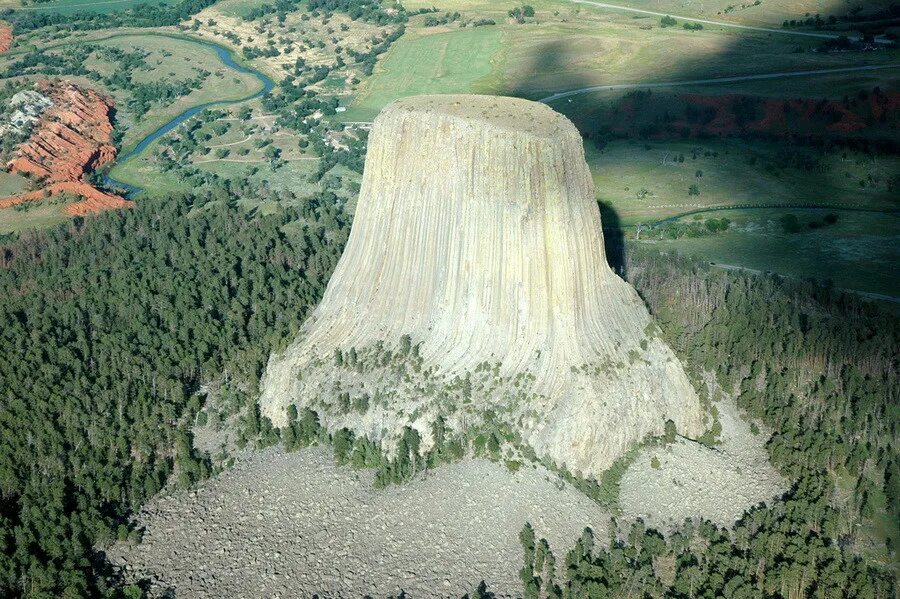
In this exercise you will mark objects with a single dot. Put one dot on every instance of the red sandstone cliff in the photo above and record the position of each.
(6, 36)
(72, 139)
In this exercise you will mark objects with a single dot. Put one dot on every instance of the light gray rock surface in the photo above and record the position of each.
(477, 234)
(290, 525)
(693, 480)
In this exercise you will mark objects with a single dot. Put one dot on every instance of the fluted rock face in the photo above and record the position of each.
(474, 282)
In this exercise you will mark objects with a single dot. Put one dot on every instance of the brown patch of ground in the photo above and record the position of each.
(72, 139)
(93, 200)
(730, 114)
(871, 116)
(6, 36)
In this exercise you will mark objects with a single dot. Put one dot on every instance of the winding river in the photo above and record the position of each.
(227, 60)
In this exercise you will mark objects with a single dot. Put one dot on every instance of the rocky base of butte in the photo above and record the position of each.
(474, 288)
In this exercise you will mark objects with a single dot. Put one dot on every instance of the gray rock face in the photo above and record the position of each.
(475, 281)
(295, 525)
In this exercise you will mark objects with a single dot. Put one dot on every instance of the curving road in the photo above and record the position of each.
(837, 207)
(711, 22)
(738, 78)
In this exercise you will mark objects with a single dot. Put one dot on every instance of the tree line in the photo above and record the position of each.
(110, 326)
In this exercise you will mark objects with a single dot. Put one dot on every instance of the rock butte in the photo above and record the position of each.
(477, 242)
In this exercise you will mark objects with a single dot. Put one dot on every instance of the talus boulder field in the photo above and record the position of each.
(474, 290)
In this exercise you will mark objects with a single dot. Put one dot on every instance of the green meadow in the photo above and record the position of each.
(454, 62)
(859, 252)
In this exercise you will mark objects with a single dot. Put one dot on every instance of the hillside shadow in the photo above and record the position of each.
(595, 114)
(613, 238)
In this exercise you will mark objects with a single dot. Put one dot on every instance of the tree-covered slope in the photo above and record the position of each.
(109, 327)
(820, 369)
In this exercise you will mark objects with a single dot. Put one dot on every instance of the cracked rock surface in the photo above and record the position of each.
(693, 480)
(294, 524)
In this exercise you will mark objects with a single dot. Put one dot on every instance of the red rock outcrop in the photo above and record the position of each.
(662, 116)
(6, 36)
(72, 139)
(93, 200)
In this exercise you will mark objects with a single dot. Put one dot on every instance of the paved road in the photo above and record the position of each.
(710, 22)
(784, 74)
(837, 207)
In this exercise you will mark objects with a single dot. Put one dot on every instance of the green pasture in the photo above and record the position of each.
(859, 252)
(539, 60)
(142, 172)
(11, 184)
(569, 48)
(178, 59)
(32, 215)
(646, 181)
(762, 14)
(454, 62)
(73, 6)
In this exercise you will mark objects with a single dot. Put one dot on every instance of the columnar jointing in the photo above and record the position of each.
(477, 237)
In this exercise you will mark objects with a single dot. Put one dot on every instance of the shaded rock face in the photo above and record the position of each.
(474, 287)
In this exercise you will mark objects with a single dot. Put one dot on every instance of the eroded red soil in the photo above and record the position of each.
(6, 36)
(72, 139)
(874, 115)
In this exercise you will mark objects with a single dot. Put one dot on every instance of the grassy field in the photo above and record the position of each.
(177, 59)
(142, 172)
(32, 215)
(458, 61)
(764, 13)
(859, 252)
(646, 182)
(72, 6)
(11, 184)
(567, 46)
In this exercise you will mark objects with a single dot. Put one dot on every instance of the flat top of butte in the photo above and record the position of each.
(509, 114)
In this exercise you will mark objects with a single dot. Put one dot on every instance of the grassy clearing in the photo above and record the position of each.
(859, 252)
(73, 6)
(646, 181)
(142, 172)
(33, 215)
(763, 14)
(12, 184)
(458, 61)
(176, 59)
